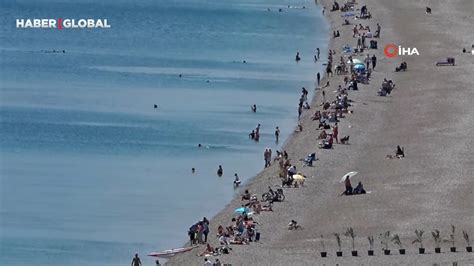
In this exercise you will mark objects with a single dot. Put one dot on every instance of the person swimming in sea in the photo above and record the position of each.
(220, 171)
(254, 108)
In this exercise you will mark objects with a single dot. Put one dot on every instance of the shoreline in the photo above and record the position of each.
(377, 125)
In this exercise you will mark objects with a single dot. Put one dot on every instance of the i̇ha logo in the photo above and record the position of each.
(48, 23)
(391, 50)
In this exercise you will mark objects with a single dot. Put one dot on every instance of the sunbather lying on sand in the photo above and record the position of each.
(209, 250)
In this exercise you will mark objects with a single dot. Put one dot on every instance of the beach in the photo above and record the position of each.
(429, 113)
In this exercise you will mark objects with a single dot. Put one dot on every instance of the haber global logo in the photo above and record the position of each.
(391, 50)
(59, 23)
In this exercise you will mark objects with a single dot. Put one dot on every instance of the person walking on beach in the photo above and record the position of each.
(335, 132)
(374, 61)
(205, 231)
(300, 110)
(317, 52)
(318, 77)
(367, 62)
(267, 156)
(136, 261)
(277, 134)
(305, 93)
(323, 93)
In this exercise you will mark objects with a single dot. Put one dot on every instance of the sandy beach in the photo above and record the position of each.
(429, 113)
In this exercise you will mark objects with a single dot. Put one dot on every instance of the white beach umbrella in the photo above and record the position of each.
(350, 175)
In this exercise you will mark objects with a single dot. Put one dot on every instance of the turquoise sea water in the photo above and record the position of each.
(90, 172)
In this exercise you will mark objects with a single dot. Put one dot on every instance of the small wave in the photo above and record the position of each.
(204, 73)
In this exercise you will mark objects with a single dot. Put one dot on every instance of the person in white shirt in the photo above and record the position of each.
(207, 262)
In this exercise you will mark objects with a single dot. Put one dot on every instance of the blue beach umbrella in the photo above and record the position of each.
(359, 67)
(241, 210)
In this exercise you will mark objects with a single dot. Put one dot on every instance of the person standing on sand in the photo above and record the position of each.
(367, 62)
(335, 132)
(317, 52)
(318, 77)
(324, 96)
(136, 261)
(374, 62)
(267, 156)
(277, 134)
(300, 110)
(348, 185)
(205, 231)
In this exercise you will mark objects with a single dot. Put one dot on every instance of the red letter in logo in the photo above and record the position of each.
(390, 50)
(59, 23)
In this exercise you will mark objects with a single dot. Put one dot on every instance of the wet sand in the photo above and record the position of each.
(429, 113)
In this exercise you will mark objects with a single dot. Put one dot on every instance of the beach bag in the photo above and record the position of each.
(257, 237)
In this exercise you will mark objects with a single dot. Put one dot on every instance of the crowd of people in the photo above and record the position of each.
(243, 227)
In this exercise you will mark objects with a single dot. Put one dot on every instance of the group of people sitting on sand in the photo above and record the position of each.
(387, 87)
(403, 67)
(359, 189)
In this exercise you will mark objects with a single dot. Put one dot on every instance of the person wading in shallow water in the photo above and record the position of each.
(277, 134)
(136, 261)
(220, 171)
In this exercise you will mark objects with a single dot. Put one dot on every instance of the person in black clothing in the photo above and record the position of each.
(400, 152)
(374, 61)
(136, 261)
(359, 189)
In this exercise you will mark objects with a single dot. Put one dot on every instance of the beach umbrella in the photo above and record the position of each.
(350, 175)
(241, 210)
(359, 67)
(355, 61)
(299, 177)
